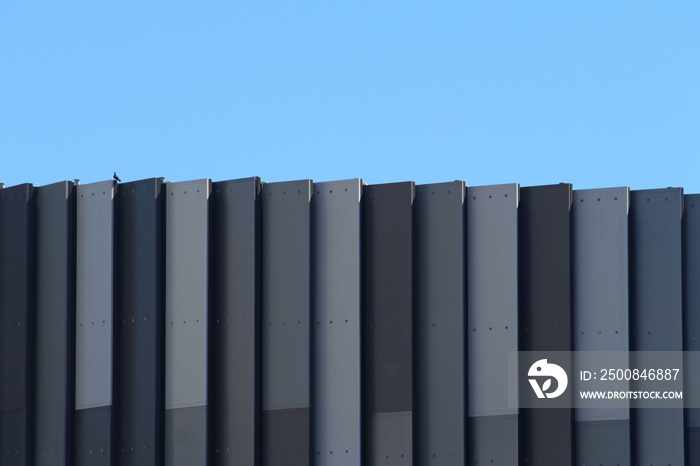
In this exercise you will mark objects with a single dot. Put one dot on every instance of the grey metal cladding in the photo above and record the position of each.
(139, 358)
(492, 319)
(234, 356)
(186, 436)
(545, 317)
(387, 236)
(440, 303)
(335, 225)
(601, 283)
(691, 311)
(601, 310)
(286, 313)
(656, 312)
(17, 322)
(94, 237)
(55, 324)
(93, 346)
(93, 446)
(186, 320)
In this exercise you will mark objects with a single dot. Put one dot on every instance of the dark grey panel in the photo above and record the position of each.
(603, 442)
(337, 410)
(138, 282)
(492, 328)
(17, 314)
(693, 441)
(186, 436)
(545, 317)
(93, 436)
(286, 312)
(440, 303)
(601, 309)
(656, 312)
(493, 439)
(691, 311)
(234, 356)
(55, 364)
(285, 435)
(387, 240)
(186, 319)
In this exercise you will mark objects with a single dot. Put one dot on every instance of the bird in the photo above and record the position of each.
(116, 178)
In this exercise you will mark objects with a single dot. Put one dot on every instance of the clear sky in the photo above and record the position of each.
(596, 93)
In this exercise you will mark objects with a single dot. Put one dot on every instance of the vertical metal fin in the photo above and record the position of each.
(691, 311)
(387, 235)
(545, 319)
(55, 364)
(286, 313)
(93, 346)
(234, 356)
(601, 310)
(335, 224)
(492, 327)
(139, 358)
(440, 304)
(17, 324)
(186, 321)
(656, 312)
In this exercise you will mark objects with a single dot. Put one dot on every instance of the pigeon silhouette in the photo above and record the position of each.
(116, 178)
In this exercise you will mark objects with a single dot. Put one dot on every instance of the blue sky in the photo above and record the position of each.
(594, 93)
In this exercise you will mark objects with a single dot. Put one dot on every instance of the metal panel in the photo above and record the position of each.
(286, 312)
(601, 309)
(691, 311)
(138, 281)
(440, 303)
(93, 346)
(492, 328)
(388, 306)
(656, 312)
(545, 323)
(234, 361)
(336, 338)
(17, 314)
(55, 320)
(186, 321)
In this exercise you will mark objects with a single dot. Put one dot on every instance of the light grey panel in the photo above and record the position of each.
(601, 285)
(286, 312)
(492, 274)
(656, 313)
(186, 301)
(55, 323)
(186, 247)
(440, 302)
(94, 233)
(492, 322)
(336, 336)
